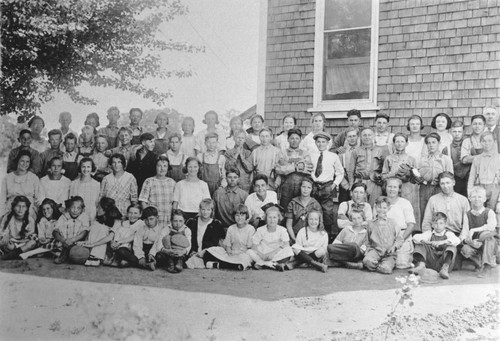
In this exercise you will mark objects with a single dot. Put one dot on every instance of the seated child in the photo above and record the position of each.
(124, 234)
(383, 240)
(48, 214)
(480, 246)
(436, 249)
(55, 185)
(212, 171)
(349, 247)
(311, 243)
(173, 245)
(233, 253)
(70, 157)
(71, 227)
(17, 230)
(271, 242)
(176, 158)
(100, 159)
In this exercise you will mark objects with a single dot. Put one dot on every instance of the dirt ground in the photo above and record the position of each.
(59, 302)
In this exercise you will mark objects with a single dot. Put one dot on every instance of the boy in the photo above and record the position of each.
(212, 171)
(70, 157)
(435, 249)
(101, 161)
(111, 130)
(56, 186)
(55, 139)
(460, 170)
(382, 135)
(86, 142)
(265, 157)
(229, 198)
(135, 116)
(327, 175)
(383, 240)
(125, 146)
(176, 158)
(143, 165)
(188, 146)
(239, 158)
(340, 142)
(25, 139)
(211, 119)
(161, 134)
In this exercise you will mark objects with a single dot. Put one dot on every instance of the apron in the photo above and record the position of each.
(211, 175)
(176, 172)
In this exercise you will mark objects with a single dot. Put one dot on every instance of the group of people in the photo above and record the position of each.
(366, 199)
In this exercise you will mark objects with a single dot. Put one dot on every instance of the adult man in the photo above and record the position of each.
(491, 116)
(227, 199)
(339, 144)
(352, 139)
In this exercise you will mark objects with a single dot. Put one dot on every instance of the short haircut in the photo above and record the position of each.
(68, 203)
(273, 209)
(212, 135)
(349, 129)
(113, 109)
(439, 216)
(119, 156)
(432, 135)
(102, 136)
(290, 116)
(149, 211)
(358, 184)
(125, 129)
(484, 134)
(365, 129)
(87, 159)
(24, 131)
(478, 117)
(161, 114)
(457, 124)
(55, 158)
(380, 200)
(162, 158)
(477, 190)
(94, 116)
(135, 205)
(175, 134)
(446, 174)
(233, 170)
(238, 132)
(354, 112)
(242, 208)
(264, 129)
(205, 203)
(65, 113)
(415, 117)
(136, 109)
(382, 115)
(260, 176)
(22, 153)
(69, 136)
(88, 128)
(176, 212)
(188, 118)
(33, 119)
(146, 137)
(308, 180)
(441, 114)
(357, 211)
(295, 131)
(55, 132)
(211, 112)
(398, 134)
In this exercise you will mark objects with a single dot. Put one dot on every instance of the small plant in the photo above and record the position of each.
(403, 296)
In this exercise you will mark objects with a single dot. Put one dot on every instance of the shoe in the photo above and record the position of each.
(335, 264)
(280, 267)
(151, 266)
(170, 266)
(320, 266)
(179, 265)
(354, 265)
(241, 267)
(289, 266)
(257, 266)
(123, 264)
(62, 258)
(443, 273)
(212, 265)
(92, 262)
(416, 270)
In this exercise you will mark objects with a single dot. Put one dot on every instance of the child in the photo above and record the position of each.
(25, 140)
(281, 141)
(65, 120)
(233, 254)
(211, 119)
(92, 120)
(460, 170)
(55, 185)
(271, 243)
(125, 145)
(144, 239)
(18, 230)
(188, 146)
(48, 214)
(308, 143)
(228, 198)
(176, 158)
(212, 171)
(86, 142)
(471, 146)
(383, 240)
(442, 122)
(350, 245)
(111, 130)
(480, 246)
(71, 227)
(173, 245)
(311, 243)
(101, 161)
(55, 139)
(124, 234)
(135, 116)
(357, 203)
(265, 157)
(240, 158)
(86, 187)
(382, 135)
(70, 157)
(257, 122)
(161, 134)
(143, 164)
(435, 249)
(235, 124)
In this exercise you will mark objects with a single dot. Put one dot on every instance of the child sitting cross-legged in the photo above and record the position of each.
(436, 249)
(350, 245)
(383, 240)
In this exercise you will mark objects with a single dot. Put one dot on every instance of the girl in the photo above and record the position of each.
(233, 254)
(39, 143)
(235, 124)
(239, 158)
(120, 185)
(48, 214)
(317, 125)
(18, 230)
(92, 120)
(206, 231)
(299, 208)
(188, 146)
(259, 199)
(189, 192)
(55, 185)
(441, 123)
(471, 147)
(101, 161)
(416, 146)
(158, 191)
(176, 158)
(86, 187)
(357, 203)
(86, 142)
(124, 234)
(256, 122)
(101, 232)
(161, 134)
(281, 141)
(271, 243)
(265, 157)
(310, 246)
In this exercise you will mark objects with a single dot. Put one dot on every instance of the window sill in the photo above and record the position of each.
(339, 110)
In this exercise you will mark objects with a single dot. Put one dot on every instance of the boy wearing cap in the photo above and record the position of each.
(327, 174)
(382, 135)
(143, 166)
(340, 143)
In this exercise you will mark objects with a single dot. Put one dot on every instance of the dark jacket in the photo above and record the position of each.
(214, 233)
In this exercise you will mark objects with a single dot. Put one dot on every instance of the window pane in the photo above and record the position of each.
(341, 14)
(346, 66)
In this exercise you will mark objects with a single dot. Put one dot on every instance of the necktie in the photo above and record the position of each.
(319, 166)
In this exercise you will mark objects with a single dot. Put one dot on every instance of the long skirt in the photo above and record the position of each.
(221, 254)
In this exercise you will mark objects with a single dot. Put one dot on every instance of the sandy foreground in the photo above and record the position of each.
(55, 309)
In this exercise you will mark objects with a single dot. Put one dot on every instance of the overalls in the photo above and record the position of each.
(211, 175)
(176, 172)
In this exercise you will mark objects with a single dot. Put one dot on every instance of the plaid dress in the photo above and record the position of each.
(159, 193)
(123, 190)
(45, 228)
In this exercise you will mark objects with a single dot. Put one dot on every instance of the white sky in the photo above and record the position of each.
(225, 75)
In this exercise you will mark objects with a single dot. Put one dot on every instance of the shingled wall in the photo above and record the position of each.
(434, 56)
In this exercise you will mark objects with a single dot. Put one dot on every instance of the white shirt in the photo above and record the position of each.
(254, 204)
(309, 144)
(383, 139)
(332, 168)
(426, 236)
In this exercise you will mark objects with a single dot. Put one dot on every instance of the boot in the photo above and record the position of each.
(443, 273)
(14, 254)
(63, 257)
(170, 265)
(420, 266)
(179, 265)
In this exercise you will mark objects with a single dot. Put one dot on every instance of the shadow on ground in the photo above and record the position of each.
(264, 284)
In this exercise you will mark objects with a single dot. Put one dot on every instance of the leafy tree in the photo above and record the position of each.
(56, 45)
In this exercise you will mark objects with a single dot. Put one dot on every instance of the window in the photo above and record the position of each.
(345, 55)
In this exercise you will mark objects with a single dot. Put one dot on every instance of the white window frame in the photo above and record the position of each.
(338, 108)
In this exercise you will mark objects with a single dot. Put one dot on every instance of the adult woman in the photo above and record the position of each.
(158, 191)
(317, 125)
(260, 198)
(357, 203)
(86, 187)
(299, 207)
(416, 145)
(189, 192)
(21, 182)
(431, 165)
(120, 185)
(281, 140)
(402, 212)
(39, 143)
(442, 122)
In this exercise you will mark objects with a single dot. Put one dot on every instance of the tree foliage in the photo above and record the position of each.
(56, 45)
